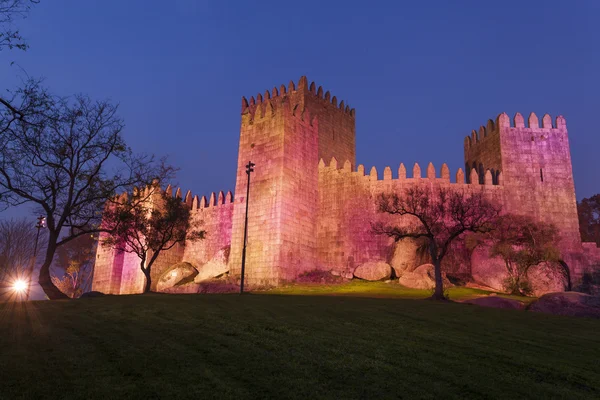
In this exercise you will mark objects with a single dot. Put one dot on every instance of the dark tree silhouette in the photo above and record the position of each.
(438, 215)
(66, 156)
(589, 219)
(147, 223)
(10, 10)
(17, 239)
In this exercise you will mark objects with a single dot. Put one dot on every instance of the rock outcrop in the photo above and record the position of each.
(175, 275)
(568, 303)
(373, 271)
(486, 270)
(546, 278)
(214, 268)
(406, 256)
(422, 277)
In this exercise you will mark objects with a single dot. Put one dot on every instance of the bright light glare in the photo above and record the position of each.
(20, 286)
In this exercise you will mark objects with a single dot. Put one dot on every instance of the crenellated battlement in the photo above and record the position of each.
(195, 203)
(214, 200)
(431, 175)
(503, 122)
(271, 99)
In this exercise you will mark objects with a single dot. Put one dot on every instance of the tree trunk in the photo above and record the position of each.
(148, 281)
(45, 280)
(438, 293)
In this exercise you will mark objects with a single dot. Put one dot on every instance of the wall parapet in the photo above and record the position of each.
(277, 96)
(518, 123)
(431, 174)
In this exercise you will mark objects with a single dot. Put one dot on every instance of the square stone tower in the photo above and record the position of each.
(533, 163)
(285, 132)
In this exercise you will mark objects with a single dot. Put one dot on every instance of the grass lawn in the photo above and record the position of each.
(291, 346)
(381, 289)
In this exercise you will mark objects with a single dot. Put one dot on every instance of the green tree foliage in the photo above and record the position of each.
(147, 223)
(438, 215)
(75, 263)
(589, 219)
(522, 243)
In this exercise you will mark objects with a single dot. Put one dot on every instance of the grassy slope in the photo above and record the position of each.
(257, 346)
(381, 289)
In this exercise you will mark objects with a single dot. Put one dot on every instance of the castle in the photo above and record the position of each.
(311, 206)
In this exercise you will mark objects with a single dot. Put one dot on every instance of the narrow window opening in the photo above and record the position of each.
(541, 175)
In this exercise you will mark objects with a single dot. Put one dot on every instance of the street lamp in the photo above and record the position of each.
(40, 224)
(249, 169)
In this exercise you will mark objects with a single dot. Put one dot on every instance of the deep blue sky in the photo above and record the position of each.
(421, 74)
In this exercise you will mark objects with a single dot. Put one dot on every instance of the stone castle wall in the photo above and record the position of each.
(215, 218)
(536, 172)
(117, 272)
(304, 214)
(348, 207)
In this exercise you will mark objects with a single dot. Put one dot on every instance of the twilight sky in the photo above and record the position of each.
(421, 74)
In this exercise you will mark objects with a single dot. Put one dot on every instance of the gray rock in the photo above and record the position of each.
(406, 256)
(214, 268)
(422, 278)
(373, 271)
(176, 274)
(568, 303)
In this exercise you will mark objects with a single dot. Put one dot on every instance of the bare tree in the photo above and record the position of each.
(149, 222)
(589, 219)
(10, 10)
(66, 156)
(17, 239)
(438, 215)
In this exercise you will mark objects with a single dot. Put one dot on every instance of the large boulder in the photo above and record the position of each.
(373, 271)
(176, 274)
(496, 302)
(216, 267)
(568, 303)
(490, 272)
(423, 277)
(546, 278)
(407, 255)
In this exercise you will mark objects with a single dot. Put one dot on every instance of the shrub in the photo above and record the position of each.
(517, 286)
(318, 276)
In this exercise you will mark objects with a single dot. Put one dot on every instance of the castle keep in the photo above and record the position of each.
(311, 206)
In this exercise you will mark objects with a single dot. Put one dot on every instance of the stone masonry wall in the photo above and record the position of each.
(536, 172)
(482, 151)
(107, 269)
(280, 134)
(261, 141)
(215, 218)
(347, 207)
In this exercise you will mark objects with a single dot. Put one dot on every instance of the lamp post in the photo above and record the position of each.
(40, 224)
(249, 169)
